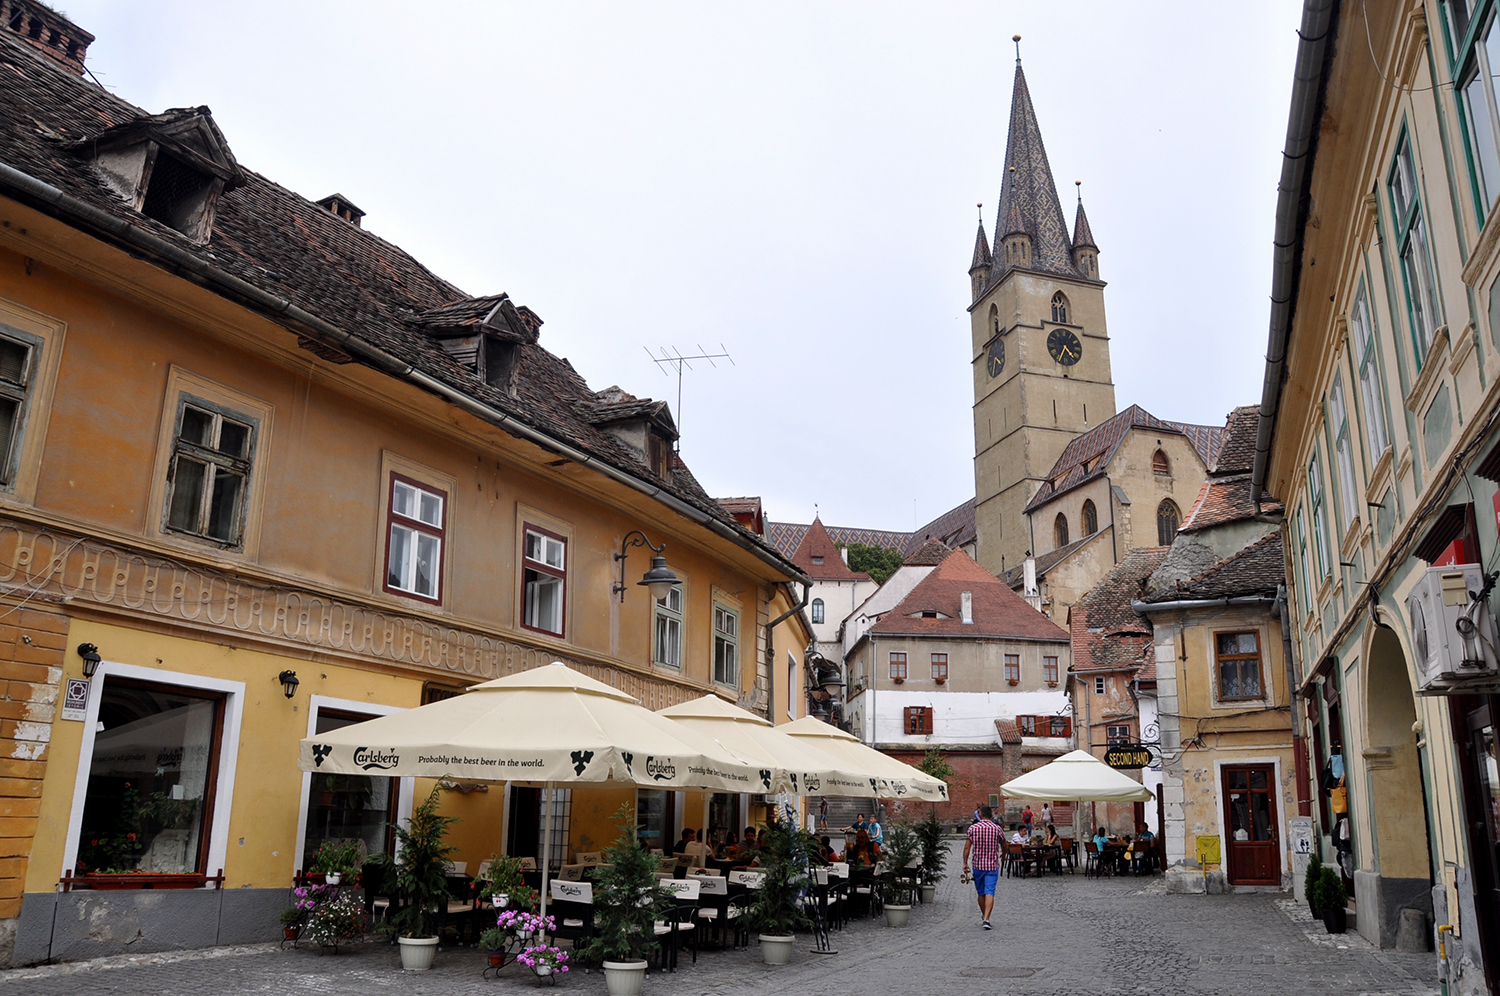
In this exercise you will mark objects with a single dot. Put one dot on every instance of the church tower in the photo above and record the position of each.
(1040, 348)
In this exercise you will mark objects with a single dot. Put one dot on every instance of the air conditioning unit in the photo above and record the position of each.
(1453, 630)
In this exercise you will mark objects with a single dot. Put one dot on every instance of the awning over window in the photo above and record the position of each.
(1448, 527)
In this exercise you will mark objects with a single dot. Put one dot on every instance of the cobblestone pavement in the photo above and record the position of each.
(1055, 936)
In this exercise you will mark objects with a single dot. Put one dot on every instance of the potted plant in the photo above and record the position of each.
(1311, 883)
(337, 922)
(337, 859)
(627, 893)
(1333, 902)
(786, 858)
(934, 854)
(902, 849)
(493, 942)
(421, 885)
(293, 920)
(544, 959)
(506, 885)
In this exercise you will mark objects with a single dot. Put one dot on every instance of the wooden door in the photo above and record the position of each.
(1250, 825)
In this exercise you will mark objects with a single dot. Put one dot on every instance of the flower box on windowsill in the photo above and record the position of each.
(1012, 681)
(940, 680)
(115, 881)
(899, 681)
(1050, 684)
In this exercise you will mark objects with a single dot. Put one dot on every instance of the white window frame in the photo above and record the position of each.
(315, 705)
(1343, 451)
(665, 613)
(731, 639)
(1316, 501)
(818, 611)
(1098, 684)
(1377, 440)
(415, 526)
(542, 567)
(229, 749)
(791, 686)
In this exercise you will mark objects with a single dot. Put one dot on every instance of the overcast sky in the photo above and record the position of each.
(793, 181)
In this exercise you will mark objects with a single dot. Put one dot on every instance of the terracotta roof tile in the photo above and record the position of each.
(1106, 633)
(932, 553)
(819, 558)
(1226, 499)
(998, 611)
(1255, 570)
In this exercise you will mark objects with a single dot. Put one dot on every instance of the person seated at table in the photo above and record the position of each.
(746, 849)
(1052, 839)
(858, 825)
(1145, 849)
(825, 849)
(1101, 839)
(1019, 836)
(730, 845)
(688, 836)
(864, 853)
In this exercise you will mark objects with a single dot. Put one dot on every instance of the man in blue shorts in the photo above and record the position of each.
(983, 844)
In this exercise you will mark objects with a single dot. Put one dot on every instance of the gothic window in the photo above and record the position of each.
(1160, 464)
(1167, 520)
(1059, 308)
(1090, 518)
(994, 320)
(817, 610)
(1060, 531)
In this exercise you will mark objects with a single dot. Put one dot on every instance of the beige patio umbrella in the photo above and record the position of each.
(885, 777)
(1077, 776)
(787, 764)
(550, 725)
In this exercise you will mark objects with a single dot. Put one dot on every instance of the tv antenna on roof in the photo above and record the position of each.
(671, 356)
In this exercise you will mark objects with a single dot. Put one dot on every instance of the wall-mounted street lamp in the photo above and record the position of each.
(660, 578)
(91, 658)
(289, 682)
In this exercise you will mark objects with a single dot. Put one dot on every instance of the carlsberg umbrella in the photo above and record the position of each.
(885, 777)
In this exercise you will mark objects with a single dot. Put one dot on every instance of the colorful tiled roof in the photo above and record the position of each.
(954, 527)
(1028, 194)
(981, 249)
(1089, 454)
(1083, 235)
(933, 607)
(787, 536)
(819, 557)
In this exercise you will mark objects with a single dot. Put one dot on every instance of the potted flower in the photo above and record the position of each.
(1333, 902)
(337, 922)
(293, 919)
(902, 849)
(786, 858)
(506, 885)
(1312, 882)
(934, 854)
(544, 959)
(337, 859)
(627, 893)
(493, 942)
(420, 883)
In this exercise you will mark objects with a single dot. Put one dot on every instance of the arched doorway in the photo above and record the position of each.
(1398, 808)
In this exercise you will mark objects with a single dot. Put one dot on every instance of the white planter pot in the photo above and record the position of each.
(776, 949)
(543, 970)
(417, 953)
(334, 878)
(624, 978)
(897, 916)
(929, 893)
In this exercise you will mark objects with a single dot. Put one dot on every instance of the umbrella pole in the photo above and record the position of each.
(546, 843)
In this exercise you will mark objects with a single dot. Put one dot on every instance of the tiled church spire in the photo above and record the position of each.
(1082, 234)
(981, 249)
(1028, 193)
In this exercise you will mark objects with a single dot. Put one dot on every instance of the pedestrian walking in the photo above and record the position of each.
(1027, 816)
(982, 845)
(1046, 814)
(823, 815)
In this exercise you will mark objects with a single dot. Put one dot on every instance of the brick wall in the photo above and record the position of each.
(978, 774)
(33, 646)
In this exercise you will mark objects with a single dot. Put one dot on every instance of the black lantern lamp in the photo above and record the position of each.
(660, 579)
(91, 658)
(289, 682)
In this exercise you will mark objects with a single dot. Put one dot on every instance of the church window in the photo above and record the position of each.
(994, 320)
(1168, 517)
(1060, 531)
(1160, 464)
(1090, 518)
(817, 610)
(1059, 308)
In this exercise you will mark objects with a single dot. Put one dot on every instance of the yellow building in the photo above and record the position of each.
(245, 442)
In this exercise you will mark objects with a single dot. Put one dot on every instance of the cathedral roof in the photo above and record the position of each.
(1088, 455)
(1083, 235)
(981, 249)
(1028, 192)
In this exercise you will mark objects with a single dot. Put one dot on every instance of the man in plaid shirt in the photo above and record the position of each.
(983, 843)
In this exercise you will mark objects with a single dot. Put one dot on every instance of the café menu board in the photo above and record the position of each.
(1128, 757)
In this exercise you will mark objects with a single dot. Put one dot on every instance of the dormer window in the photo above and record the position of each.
(176, 194)
(817, 558)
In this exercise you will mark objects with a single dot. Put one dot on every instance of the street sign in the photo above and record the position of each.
(1128, 757)
(1301, 834)
(75, 703)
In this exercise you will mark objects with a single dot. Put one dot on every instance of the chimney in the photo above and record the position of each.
(966, 607)
(52, 34)
(343, 207)
(844, 552)
(1029, 589)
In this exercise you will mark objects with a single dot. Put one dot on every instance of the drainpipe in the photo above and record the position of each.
(771, 650)
(1299, 739)
(1309, 81)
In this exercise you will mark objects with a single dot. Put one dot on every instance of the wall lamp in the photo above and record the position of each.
(91, 658)
(289, 682)
(660, 578)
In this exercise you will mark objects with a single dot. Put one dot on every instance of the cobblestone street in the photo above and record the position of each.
(1053, 936)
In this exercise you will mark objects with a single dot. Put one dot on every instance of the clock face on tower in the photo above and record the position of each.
(994, 360)
(1064, 347)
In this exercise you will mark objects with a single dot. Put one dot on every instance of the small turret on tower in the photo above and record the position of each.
(979, 269)
(1085, 252)
(1015, 244)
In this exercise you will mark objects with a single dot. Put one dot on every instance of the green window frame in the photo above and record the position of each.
(1306, 576)
(1413, 248)
(1474, 60)
(1319, 518)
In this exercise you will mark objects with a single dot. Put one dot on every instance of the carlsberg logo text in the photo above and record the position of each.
(370, 758)
(660, 770)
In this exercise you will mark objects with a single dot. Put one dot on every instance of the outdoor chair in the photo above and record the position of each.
(713, 904)
(1091, 852)
(741, 885)
(1069, 854)
(571, 906)
(679, 924)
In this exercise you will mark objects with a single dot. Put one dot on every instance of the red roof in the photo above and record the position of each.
(1107, 633)
(819, 557)
(933, 607)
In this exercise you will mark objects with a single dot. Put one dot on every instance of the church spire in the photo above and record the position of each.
(979, 268)
(1085, 250)
(1028, 191)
